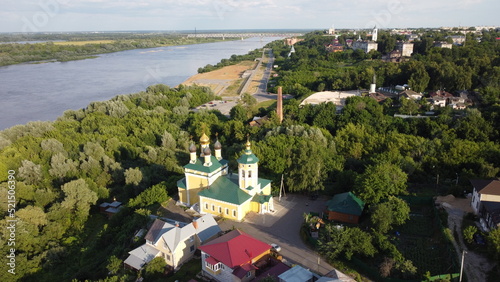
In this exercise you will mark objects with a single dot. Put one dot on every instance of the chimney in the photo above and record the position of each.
(279, 106)
(195, 224)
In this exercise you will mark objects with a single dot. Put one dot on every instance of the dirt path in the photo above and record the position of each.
(476, 266)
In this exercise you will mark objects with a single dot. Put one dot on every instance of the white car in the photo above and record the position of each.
(276, 247)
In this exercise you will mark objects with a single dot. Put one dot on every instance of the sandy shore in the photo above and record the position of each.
(219, 80)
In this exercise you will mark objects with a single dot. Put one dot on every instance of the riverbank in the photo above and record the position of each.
(64, 51)
(224, 81)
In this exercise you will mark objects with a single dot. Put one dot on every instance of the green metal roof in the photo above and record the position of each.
(248, 158)
(182, 183)
(264, 182)
(261, 199)
(223, 189)
(216, 164)
(346, 203)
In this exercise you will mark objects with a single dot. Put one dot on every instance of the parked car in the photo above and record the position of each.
(276, 247)
(479, 239)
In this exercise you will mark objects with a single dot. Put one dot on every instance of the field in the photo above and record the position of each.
(85, 42)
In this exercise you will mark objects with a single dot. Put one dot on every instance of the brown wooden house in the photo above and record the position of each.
(345, 207)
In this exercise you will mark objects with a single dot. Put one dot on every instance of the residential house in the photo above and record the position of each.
(490, 215)
(176, 242)
(345, 207)
(110, 209)
(457, 39)
(297, 274)
(233, 257)
(410, 94)
(394, 56)
(209, 184)
(412, 37)
(443, 44)
(441, 98)
(259, 121)
(334, 47)
(485, 199)
(364, 45)
(438, 101)
(405, 48)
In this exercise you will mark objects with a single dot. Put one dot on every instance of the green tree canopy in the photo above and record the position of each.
(380, 181)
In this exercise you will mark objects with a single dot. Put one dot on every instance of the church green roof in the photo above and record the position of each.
(223, 189)
(261, 199)
(182, 183)
(198, 165)
(248, 158)
(346, 203)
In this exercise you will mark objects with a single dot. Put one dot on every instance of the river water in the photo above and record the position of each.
(30, 92)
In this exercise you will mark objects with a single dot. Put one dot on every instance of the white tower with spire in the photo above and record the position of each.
(375, 33)
(248, 171)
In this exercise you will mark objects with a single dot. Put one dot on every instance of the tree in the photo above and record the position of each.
(346, 241)
(78, 198)
(155, 268)
(408, 106)
(494, 242)
(469, 232)
(168, 141)
(380, 181)
(416, 75)
(30, 172)
(60, 166)
(33, 215)
(394, 211)
(114, 264)
(239, 113)
(154, 194)
(307, 171)
(133, 176)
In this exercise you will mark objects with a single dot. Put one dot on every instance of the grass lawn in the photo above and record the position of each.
(266, 104)
(188, 271)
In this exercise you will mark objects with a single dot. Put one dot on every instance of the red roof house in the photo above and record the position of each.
(232, 257)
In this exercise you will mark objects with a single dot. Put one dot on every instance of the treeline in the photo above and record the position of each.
(131, 148)
(233, 60)
(15, 53)
(474, 66)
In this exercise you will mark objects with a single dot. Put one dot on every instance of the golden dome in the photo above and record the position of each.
(204, 140)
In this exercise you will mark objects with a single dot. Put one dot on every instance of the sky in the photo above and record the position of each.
(177, 15)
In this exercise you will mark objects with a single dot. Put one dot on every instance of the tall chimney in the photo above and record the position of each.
(279, 106)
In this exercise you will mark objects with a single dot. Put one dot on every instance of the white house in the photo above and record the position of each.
(176, 242)
(484, 191)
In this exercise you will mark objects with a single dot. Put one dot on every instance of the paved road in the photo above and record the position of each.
(282, 227)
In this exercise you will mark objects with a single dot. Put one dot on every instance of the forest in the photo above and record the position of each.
(80, 46)
(133, 148)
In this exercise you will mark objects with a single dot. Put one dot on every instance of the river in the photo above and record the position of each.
(30, 92)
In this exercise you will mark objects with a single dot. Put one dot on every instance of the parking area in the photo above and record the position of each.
(283, 228)
(224, 106)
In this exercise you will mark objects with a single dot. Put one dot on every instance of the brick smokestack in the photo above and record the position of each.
(279, 106)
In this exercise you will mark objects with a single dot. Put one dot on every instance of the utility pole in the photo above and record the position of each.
(462, 265)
